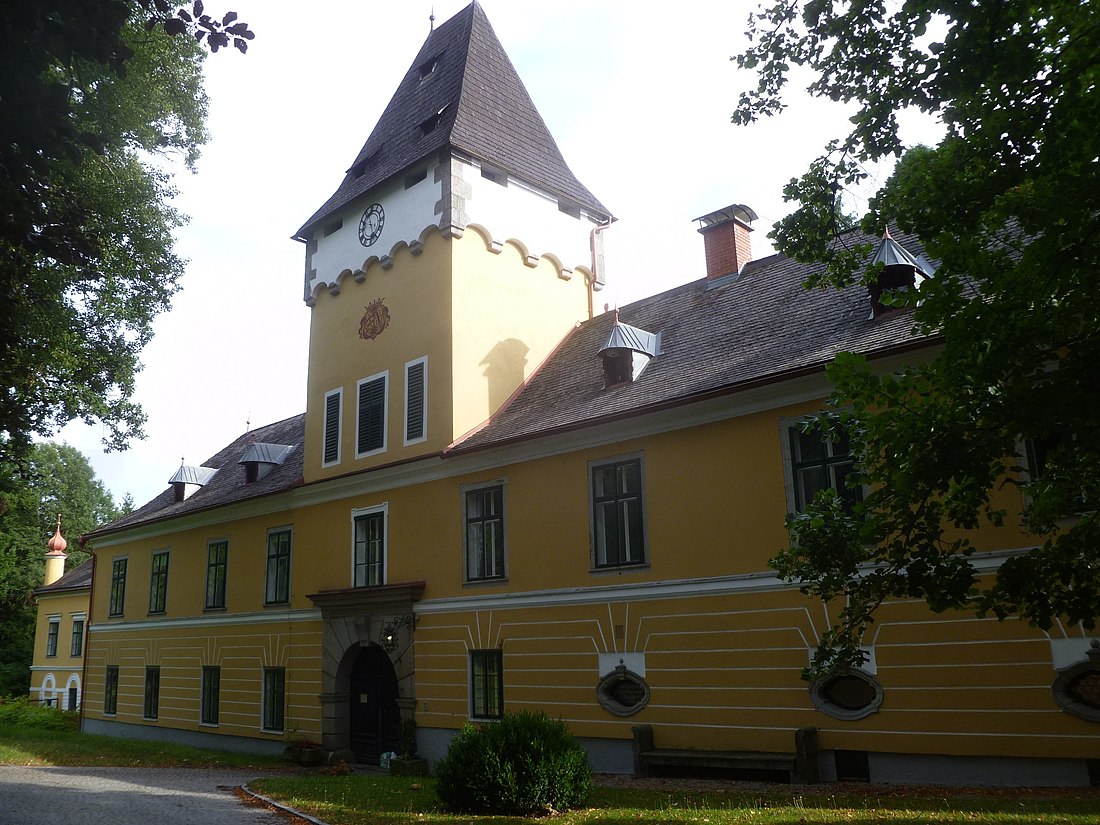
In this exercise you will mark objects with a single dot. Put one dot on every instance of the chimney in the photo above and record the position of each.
(726, 239)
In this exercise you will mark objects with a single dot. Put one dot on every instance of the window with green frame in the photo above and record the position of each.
(277, 590)
(484, 512)
(487, 684)
(211, 694)
(158, 583)
(53, 629)
(118, 588)
(152, 692)
(274, 698)
(369, 552)
(217, 565)
(110, 690)
(76, 647)
(819, 463)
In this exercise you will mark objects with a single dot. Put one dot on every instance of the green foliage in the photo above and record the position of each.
(56, 478)
(523, 763)
(29, 714)
(93, 97)
(1006, 203)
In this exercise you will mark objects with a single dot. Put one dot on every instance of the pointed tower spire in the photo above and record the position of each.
(55, 559)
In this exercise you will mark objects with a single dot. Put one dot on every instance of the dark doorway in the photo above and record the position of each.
(375, 719)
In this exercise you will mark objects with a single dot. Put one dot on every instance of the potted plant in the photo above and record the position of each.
(304, 752)
(407, 763)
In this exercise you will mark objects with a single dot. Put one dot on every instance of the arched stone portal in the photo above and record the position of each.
(354, 622)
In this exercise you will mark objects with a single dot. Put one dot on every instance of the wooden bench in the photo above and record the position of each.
(800, 767)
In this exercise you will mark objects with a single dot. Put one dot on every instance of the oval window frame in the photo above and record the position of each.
(1063, 684)
(609, 703)
(819, 688)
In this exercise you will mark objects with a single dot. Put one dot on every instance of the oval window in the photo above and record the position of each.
(1077, 688)
(623, 692)
(848, 694)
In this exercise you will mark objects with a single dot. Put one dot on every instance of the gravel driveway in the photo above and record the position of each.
(127, 796)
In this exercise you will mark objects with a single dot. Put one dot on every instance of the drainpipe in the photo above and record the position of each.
(83, 541)
(595, 263)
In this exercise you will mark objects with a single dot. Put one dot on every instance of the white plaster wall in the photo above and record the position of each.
(408, 212)
(516, 212)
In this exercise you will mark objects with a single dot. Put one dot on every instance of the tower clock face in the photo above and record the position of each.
(370, 225)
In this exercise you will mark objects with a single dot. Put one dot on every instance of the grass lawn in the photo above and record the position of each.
(386, 800)
(35, 736)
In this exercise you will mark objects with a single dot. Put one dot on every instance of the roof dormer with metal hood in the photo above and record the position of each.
(188, 480)
(260, 459)
(895, 269)
(627, 351)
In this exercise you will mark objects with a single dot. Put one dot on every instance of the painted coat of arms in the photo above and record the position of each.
(375, 320)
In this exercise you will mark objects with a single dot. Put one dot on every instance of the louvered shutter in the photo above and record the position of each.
(372, 414)
(332, 428)
(414, 413)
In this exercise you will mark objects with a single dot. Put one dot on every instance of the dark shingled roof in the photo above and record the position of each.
(228, 484)
(486, 113)
(76, 579)
(715, 336)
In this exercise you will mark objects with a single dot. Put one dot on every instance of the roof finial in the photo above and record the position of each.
(886, 230)
(57, 543)
(431, 20)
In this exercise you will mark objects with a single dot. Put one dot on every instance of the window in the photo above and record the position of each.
(817, 464)
(217, 563)
(152, 692)
(278, 567)
(74, 697)
(118, 587)
(369, 554)
(76, 648)
(416, 395)
(371, 435)
(617, 531)
(51, 636)
(211, 690)
(1077, 687)
(483, 510)
(487, 684)
(622, 692)
(110, 690)
(158, 584)
(848, 694)
(333, 403)
(274, 697)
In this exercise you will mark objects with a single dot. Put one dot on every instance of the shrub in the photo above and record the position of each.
(522, 764)
(24, 711)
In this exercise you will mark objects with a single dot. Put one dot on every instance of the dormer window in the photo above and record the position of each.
(188, 480)
(896, 270)
(427, 126)
(428, 67)
(627, 351)
(260, 459)
(360, 167)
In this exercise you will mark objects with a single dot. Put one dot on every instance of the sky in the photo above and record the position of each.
(638, 96)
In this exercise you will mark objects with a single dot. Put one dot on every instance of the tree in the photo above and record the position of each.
(57, 479)
(1008, 203)
(92, 94)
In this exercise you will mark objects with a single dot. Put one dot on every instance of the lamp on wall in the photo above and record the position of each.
(388, 639)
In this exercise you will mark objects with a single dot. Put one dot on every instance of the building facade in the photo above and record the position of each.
(497, 499)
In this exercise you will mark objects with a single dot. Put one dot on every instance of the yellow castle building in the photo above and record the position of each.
(497, 499)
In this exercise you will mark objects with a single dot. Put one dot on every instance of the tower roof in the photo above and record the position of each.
(461, 93)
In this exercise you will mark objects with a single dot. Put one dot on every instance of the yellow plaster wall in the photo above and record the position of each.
(507, 317)
(416, 291)
(63, 665)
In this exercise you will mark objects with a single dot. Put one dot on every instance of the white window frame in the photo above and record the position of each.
(339, 393)
(73, 619)
(473, 488)
(424, 403)
(385, 376)
(384, 509)
(53, 629)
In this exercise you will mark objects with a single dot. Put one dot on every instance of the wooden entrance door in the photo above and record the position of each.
(374, 719)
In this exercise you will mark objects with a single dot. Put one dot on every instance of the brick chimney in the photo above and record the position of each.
(726, 239)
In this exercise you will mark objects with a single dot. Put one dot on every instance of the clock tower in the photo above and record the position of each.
(456, 253)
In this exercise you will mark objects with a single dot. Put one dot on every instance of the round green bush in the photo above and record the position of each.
(522, 764)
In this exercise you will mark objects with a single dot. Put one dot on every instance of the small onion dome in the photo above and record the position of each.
(57, 543)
